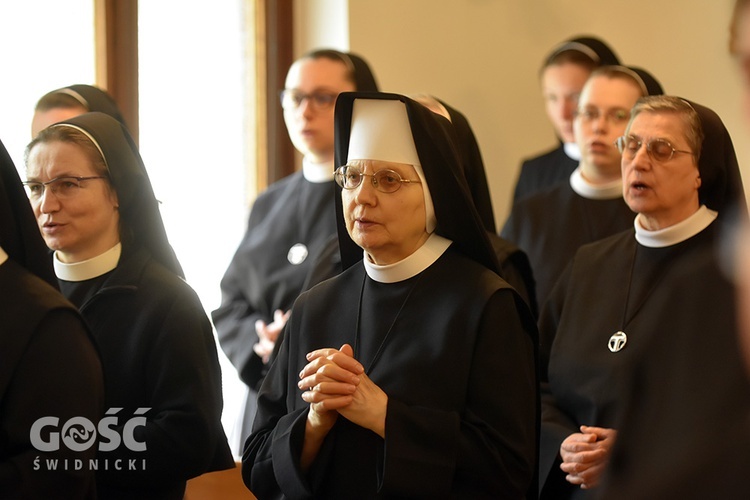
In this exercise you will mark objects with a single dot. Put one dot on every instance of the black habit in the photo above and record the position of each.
(685, 428)
(543, 171)
(612, 285)
(551, 225)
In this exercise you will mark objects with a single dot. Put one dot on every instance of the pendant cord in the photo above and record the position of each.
(664, 269)
(388, 333)
(627, 291)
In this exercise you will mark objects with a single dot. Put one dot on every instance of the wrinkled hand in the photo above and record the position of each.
(329, 380)
(268, 333)
(365, 405)
(368, 406)
(585, 455)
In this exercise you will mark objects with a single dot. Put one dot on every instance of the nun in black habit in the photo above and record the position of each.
(289, 225)
(556, 165)
(550, 225)
(685, 428)
(96, 209)
(617, 297)
(412, 373)
(73, 100)
(50, 366)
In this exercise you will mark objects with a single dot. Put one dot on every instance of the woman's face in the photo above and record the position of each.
(663, 192)
(561, 87)
(310, 126)
(85, 222)
(388, 226)
(605, 110)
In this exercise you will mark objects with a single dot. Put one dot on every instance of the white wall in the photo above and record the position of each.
(321, 23)
(482, 57)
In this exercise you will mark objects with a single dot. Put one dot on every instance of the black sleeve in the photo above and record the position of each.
(59, 375)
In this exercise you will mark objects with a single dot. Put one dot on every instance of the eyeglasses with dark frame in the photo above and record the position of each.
(64, 187)
(385, 181)
(292, 99)
(658, 149)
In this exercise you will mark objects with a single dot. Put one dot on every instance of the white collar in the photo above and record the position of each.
(412, 265)
(572, 150)
(3, 255)
(676, 233)
(88, 269)
(317, 172)
(608, 191)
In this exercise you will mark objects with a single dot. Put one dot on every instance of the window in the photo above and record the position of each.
(195, 135)
(46, 44)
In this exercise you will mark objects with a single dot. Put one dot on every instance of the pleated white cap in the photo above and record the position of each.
(380, 130)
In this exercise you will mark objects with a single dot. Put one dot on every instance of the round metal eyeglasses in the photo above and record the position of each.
(658, 149)
(385, 181)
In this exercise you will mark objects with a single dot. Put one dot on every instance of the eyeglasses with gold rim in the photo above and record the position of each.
(658, 149)
(385, 181)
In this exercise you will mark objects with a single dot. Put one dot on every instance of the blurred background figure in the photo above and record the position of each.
(562, 76)
(739, 46)
(73, 100)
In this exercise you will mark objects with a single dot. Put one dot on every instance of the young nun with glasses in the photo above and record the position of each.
(96, 210)
(552, 224)
(412, 373)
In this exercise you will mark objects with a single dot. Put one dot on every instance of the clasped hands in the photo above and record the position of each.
(585, 455)
(335, 383)
(268, 333)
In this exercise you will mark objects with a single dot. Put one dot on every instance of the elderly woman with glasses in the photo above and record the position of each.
(290, 222)
(680, 175)
(96, 210)
(412, 373)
